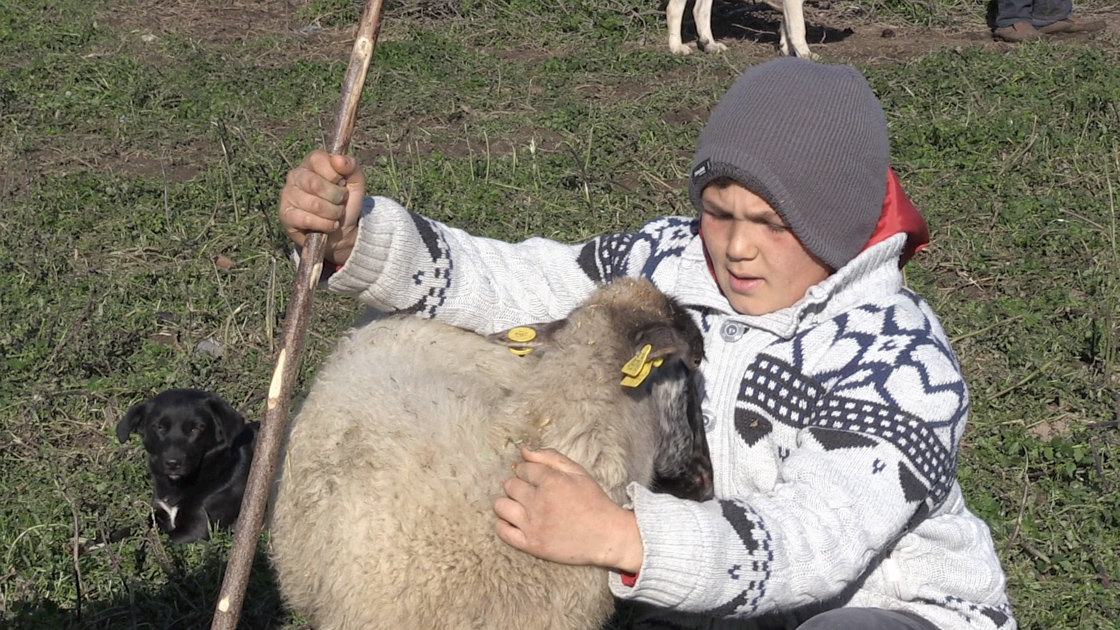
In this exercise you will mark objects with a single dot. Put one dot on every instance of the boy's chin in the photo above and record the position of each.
(756, 304)
(749, 306)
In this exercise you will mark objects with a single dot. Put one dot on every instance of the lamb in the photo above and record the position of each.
(382, 512)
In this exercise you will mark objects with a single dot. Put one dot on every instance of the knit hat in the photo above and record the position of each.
(810, 139)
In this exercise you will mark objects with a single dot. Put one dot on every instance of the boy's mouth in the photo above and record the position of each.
(743, 284)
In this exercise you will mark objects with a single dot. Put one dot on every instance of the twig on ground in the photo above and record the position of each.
(1022, 508)
(1038, 555)
(1028, 378)
(115, 561)
(974, 333)
(1106, 485)
(75, 545)
(270, 305)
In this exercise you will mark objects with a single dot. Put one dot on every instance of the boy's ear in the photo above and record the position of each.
(227, 421)
(132, 420)
(528, 336)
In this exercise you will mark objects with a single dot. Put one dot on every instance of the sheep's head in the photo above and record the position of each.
(658, 349)
(683, 466)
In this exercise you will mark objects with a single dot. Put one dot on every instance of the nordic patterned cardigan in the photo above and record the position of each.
(833, 424)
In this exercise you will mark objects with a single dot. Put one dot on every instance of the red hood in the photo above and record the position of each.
(900, 215)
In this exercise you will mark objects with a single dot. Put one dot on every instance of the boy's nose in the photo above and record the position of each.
(741, 245)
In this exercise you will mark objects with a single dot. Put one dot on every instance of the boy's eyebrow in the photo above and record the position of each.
(767, 215)
(764, 216)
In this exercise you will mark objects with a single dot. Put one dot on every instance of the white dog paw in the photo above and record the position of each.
(800, 52)
(712, 47)
(680, 49)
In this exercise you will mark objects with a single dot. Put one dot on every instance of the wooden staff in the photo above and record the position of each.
(267, 450)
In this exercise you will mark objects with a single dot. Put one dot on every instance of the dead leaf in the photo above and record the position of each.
(223, 262)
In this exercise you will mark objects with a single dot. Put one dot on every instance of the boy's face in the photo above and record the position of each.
(759, 264)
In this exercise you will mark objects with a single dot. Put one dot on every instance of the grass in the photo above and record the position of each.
(143, 141)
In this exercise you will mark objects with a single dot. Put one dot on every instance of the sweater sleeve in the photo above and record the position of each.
(404, 262)
(873, 417)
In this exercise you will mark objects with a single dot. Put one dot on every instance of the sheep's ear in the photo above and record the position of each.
(227, 422)
(132, 420)
(665, 341)
(528, 336)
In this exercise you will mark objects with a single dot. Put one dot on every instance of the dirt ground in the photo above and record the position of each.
(837, 30)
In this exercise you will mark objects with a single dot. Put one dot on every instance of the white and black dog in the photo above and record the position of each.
(199, 453)
(792, 29)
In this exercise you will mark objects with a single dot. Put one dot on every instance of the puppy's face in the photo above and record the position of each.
(179, 428)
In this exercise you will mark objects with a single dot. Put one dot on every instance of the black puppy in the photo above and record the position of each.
(199, 452)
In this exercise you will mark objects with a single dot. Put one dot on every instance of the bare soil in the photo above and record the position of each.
(840, 31)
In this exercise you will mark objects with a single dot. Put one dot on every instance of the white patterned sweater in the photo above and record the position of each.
(833, 424)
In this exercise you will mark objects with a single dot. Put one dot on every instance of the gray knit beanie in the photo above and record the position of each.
(811, 140)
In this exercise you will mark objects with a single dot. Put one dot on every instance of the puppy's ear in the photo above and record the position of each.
(132, 419)
(227, 422)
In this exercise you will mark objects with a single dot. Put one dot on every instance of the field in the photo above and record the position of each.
(143, 145)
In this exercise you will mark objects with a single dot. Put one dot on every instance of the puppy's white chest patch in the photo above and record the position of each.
(171, 510)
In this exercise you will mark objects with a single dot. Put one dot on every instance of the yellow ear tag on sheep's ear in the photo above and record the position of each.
(521, 334)
(637, 368)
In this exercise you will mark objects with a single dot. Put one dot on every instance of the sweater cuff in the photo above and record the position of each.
(383, 223)
(673, 548)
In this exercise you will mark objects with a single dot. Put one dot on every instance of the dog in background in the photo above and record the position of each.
(792, 28)
(199, 452)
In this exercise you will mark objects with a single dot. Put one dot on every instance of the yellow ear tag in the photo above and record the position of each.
(521, 334)
(634, 366)
(638, 367)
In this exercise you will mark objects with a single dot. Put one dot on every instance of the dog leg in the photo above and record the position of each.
(705, 41)
(188, 525)
(793, 30)
(674, 13)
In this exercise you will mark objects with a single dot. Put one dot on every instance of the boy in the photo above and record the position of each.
(833, 402)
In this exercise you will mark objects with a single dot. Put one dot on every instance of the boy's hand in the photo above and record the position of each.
(554, 510)
(324, 194)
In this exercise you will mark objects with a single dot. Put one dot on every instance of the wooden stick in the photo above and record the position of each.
(267, 451)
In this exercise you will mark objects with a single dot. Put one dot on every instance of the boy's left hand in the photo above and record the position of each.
(553, 509)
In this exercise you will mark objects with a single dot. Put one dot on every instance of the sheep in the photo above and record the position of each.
(382, 509)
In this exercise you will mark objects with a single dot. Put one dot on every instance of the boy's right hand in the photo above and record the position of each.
(324, 194)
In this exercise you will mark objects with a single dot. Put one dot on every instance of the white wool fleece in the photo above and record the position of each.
(833, 424)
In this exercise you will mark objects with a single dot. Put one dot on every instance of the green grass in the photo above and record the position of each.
(138, 146)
